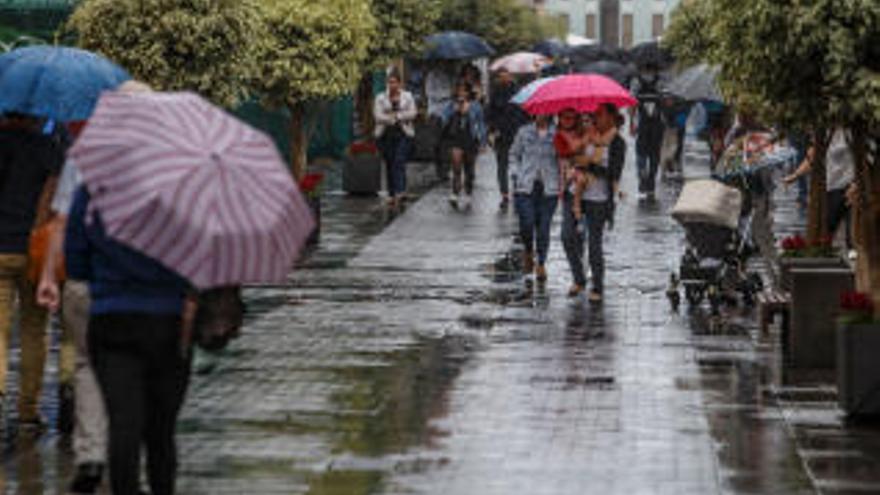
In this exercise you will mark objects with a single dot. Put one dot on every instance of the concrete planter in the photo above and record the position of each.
(858, 369)
(362, 174)
(786, 265)
(815, 305)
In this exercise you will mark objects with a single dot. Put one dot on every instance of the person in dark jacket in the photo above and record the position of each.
(648, 128)
(137, 348)
(29, 164)
(504, 119)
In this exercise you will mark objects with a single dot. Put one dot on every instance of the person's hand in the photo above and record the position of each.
(49, 294)
(621, 195)
(789, 179)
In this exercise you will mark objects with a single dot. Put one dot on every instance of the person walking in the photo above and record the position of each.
(394, 112)
(136, 346)
(29, 165)
(534, 174)
(439, 88)
(839, 175)
(504, 119)
(597, 206)
(464, 133)
(647, 126)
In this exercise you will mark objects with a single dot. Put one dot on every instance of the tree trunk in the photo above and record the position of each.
(866, 216)
(817, 218)
(299, 142)
(364, 107)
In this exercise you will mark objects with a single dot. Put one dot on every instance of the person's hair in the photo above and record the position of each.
(461, 85)
(394, 74)
(612, 110)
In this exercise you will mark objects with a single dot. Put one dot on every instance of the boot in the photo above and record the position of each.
(528, 263)
(87, 479)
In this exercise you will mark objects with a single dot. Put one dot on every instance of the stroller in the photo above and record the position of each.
(717, 224)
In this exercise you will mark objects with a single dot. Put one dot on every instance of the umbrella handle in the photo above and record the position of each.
(187, 324)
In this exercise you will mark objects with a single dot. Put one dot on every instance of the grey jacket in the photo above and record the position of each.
(532, 158)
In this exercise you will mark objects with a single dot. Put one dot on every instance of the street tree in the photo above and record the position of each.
(507, 25)
(204, 46)
(313, 51)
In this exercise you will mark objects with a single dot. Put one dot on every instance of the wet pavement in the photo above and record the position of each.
(407, 356)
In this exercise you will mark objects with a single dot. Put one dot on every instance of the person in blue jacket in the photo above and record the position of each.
(464, 134)
(140, 358)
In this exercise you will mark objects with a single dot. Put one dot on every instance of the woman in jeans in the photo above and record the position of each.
(534, 174)
(597, 206)
(136, 346)
(394, 111)
(464, 133)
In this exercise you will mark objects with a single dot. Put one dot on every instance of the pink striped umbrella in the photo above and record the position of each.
(583, 93)
(185, 183)
(521, 63)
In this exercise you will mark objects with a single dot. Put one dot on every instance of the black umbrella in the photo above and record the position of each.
(586, 54)
(456, 45)
(651, 56)
(696, 84)
(550, 48)
(615, 70)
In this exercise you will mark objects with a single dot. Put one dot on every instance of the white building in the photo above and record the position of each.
(613, 22)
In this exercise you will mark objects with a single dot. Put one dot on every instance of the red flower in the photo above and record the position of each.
(857, 302)
(310, 182)
(363, 148)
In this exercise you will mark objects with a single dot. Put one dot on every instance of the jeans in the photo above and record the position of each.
(647, 163)
(502, 156)
(595, 216)
(143, 376)
(395, 152)
(32, 332)
(838, 212)
(90, 430)
(535, 212)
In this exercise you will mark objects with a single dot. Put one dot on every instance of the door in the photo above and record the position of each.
(610, 28)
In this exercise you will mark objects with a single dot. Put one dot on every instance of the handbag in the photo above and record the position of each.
(219, 317)
(38, 251)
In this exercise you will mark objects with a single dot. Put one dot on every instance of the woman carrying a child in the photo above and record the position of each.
(591, 160)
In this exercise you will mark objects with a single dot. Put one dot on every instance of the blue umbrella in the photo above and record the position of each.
(528, 90)
(456, 45)
(56, 82)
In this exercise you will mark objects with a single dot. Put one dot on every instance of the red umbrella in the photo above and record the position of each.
(187, 184)
(583, 93)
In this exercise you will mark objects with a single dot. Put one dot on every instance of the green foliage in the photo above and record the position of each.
(313, 50)
(199, 45)
(508, 25)
(688, 32)
(401, 30)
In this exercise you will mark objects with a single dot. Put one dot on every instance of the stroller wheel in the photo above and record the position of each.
(694, 295)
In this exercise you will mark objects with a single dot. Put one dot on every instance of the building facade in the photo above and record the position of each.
(613, 22)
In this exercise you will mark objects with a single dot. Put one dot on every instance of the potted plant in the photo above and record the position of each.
(362, 172)
(310, 185)
(798, 253)
(858, 369)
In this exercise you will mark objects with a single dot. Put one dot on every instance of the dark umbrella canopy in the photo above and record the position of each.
(615, 70)
(652, 56)
(456, 45)
(550, 48)
(587, 54)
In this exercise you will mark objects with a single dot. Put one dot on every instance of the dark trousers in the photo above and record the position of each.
(441, 155)
(647, 162)
(396, 151)
(143, 377)
(838, 212)
(535, 212)
(679, 150)
(595, 215)
(502, 157)
(467, 168)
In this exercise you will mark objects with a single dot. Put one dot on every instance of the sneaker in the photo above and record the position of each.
(505, 204)
(87, 479)
(65, 409)
(595, 297)
(575, 290)
(541, 273)
(453, 201)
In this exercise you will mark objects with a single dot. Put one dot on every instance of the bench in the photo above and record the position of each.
(770, 303)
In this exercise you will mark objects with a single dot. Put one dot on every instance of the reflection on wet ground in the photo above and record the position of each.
(408, 355)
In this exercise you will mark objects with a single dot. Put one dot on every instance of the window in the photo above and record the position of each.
(657, 25)
(591, 27)
(566, 22)
(627, 40)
